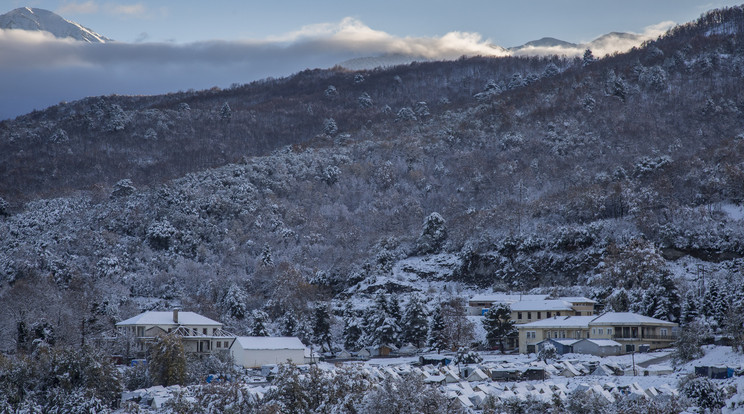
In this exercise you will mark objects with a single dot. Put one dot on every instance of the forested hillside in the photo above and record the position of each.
(619, 178)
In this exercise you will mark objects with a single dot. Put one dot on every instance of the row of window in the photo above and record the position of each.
(219, 344)
(539, 315)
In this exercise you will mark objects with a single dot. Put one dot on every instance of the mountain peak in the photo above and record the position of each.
(32, 19)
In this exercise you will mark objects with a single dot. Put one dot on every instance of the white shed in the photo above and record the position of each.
(255, 351)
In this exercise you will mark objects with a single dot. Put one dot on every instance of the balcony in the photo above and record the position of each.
(644, 337)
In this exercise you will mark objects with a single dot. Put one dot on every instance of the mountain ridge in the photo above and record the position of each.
(34, 19)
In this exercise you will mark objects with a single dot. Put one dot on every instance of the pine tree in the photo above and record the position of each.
(689, 308)
(225, 113)
(260, 319)
(266, 257)
(167, 365)
(499, 325)
(322, 326)
(588, 57)
(234, 302)
(436, 337)
(414, 323)
(381, 328)
(352, 331)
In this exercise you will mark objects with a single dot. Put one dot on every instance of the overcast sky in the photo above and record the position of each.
(171, 45)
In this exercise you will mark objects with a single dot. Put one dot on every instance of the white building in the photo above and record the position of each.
(198, 333)
(255, 351)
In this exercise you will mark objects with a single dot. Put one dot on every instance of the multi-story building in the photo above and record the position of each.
(630, 330)
(198, 333)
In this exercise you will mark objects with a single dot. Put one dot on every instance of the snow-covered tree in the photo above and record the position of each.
(498, 325)
(414, 322)
(436, 338)
(433, 235)
(167, 364)
(466, 356)
(225, 113)
(259, 319)
(588, 57)
(330, 127)
(322, 326)
(267, 259)
(381, 328)
(353, 331)
(364, 100)
(123, 188)
(547, 352)
(234, 302)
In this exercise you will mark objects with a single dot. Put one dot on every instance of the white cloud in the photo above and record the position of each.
(44, 70)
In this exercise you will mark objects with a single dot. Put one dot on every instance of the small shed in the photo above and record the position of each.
(562, 346)
(255, 351)
(597, 347)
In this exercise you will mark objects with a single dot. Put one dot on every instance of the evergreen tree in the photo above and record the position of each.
(22, 337)
(381, 327)
(167, 365)
(260, 319)
(352, 331)
(225, 112)
(436, 337)
(267, 259)
(433, 235)
(234, 302)
(499, 325)
(288, 323)
(322, 326)
(414, 323)
(588, 57)
(689, 308)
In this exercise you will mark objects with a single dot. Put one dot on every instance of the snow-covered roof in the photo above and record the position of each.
(602, 342)
(628, 318)
(160, 318)
(560, 322)
(269, 342)
(505, 298)
(576, 299)
(563, 341)
(541, 305)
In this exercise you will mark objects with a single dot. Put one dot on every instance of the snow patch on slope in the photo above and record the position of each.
(30, 19)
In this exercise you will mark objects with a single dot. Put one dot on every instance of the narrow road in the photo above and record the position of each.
(654, 361)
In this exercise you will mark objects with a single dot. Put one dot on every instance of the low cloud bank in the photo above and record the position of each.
(38, 70)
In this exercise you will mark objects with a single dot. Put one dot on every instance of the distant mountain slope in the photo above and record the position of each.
(545, 42)
(26, 18)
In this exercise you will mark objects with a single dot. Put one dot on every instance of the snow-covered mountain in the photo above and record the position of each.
(26, 18)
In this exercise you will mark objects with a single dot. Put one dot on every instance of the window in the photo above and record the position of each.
(531, 334)
(204, 330)
(519, 315)
(549, 314)
(226, 346)
(594, 331)
(663, 331)
(600, 331)
(563, 334)
(558, 314)
(609, 331)
(529, 315)
(539, 316)
(219, 344)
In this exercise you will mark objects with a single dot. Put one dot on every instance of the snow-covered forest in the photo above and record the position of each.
(352, 208)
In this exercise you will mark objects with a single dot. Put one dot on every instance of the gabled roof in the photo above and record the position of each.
(541, 305)
(576, 322)
(628, 318)
(159, 318)
(269, 342)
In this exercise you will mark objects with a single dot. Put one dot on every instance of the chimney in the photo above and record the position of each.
(175, 315)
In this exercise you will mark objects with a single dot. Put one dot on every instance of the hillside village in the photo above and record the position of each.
(497, 235)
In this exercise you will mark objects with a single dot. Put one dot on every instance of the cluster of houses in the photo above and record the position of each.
(201, 335)
(570, 325)
(566, 323)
